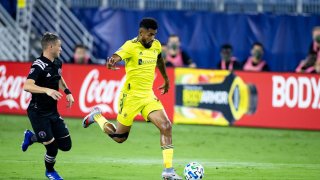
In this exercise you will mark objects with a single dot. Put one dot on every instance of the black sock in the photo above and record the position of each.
(50, 156)
(49, 161)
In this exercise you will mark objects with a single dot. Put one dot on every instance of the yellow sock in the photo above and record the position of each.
(100, 120)
(167, 157)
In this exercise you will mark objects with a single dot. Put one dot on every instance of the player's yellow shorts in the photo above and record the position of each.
(129, 106)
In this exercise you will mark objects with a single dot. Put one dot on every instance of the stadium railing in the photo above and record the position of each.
(38, 17)
(14, 41)
(232, 6)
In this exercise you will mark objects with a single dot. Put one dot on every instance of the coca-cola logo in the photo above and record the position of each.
(100, 93)
(12, 94)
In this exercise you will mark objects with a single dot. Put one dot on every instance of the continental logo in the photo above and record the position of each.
(195, 95)
(141, 61)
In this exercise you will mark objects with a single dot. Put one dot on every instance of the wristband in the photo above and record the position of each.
(67, 91)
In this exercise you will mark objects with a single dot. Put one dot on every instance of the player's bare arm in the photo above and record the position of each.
(112, 61)
(31, 87)
(63, 86)
(162, 67)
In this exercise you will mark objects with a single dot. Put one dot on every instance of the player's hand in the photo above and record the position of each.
(165, 87)
(111, 63)
(70, 100)
(56, 95)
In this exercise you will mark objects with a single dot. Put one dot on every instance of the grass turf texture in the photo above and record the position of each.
(225, 152)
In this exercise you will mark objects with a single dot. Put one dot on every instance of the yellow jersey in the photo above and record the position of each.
(140, 63)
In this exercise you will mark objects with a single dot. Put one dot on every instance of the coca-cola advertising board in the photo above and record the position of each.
(91, 85)
(257, 99)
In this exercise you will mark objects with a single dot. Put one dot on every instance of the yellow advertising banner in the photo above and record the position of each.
(216, 97)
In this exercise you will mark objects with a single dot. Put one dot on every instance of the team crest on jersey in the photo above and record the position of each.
(59, 71)
(31, 70)
(42, 134)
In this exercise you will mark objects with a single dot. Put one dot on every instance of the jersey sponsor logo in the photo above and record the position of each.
(48, 75)
(12, 94)
(102, 93)
(141, 61)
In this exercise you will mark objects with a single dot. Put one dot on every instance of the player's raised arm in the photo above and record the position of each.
(123, 53)
(112, 61)
(162, 67)
(63, 86)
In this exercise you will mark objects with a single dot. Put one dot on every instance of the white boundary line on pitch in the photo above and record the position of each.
(205, 163)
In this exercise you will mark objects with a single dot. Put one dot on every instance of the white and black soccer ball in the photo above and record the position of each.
(193, 171)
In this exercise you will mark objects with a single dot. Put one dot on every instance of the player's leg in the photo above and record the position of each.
(155, 113)
(60, 140)
(121, 133)
(161, 121)
(50, 158)
(29, 136)
(118, 133)
(28, 140)
(61, 133)
(43, 132)
(64, 143)
(129, 107)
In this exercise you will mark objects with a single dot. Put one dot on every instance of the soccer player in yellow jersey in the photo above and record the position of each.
(141, 55)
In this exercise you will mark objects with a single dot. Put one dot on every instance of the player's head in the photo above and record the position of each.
(51, 44)
(174, 42)
(226, 52)
(257, 50)
(80, 53)
(147, 31)
(316, 34)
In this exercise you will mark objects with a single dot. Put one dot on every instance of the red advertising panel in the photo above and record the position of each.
(219, 97)
(277, 100)
(91, 85)
(12, 97)
(285, 100)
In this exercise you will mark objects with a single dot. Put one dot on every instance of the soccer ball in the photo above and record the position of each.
(193, 171)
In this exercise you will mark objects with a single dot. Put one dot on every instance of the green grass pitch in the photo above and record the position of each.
(225, 152)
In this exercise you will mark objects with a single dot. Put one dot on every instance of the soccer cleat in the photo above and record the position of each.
(170, 174)
(53, 175)
(27, 140)
(89, 119)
